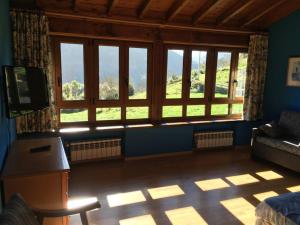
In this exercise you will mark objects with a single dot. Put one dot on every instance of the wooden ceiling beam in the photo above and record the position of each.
(238, 8)
(262, 13)
(74, 5)
(95, 30)
(281, 12)
(148, 23)
(144, 8)
(204, 11)
(175, 9)
(111, 6)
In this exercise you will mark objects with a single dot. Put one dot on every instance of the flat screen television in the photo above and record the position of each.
(26, 90)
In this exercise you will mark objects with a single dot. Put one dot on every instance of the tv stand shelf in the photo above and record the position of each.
(41, 177)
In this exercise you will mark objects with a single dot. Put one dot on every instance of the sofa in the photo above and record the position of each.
(279, 142)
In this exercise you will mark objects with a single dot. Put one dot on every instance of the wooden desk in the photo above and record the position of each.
(40, 177)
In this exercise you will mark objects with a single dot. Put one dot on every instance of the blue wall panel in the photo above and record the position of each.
(7, 127)
(284, 42)
(148, 141)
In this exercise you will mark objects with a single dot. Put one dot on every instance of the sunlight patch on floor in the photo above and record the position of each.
(269, 175)
(242, 179)
(125, 198)
(212, 184)
(139, 220)
(185, 216)
(241, 209)
(264, 195)
(165, 192)
(294, 188)
(79, 202)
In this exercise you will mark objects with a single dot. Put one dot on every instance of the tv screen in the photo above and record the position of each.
(26, 90)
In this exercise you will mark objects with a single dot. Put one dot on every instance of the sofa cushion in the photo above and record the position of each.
(272, 130)
(288, 145)
(290, 123)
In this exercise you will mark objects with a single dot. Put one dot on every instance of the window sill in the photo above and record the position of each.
(136, 126)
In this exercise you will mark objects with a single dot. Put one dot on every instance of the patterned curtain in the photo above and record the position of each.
(256, 74)
(31, 47)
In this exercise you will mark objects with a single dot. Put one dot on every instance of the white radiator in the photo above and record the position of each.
(213, 139)
(96, 149)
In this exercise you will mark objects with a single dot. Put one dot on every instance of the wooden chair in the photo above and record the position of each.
(17, 212)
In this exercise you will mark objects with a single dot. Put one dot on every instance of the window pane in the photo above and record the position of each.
(72, 71)
(198, 71)
(174, 74)
(223, 75)
(73, 115)
(172, 111)
(241, 75)
(108, 72)
(195, 110)
(137, 113)
(237, 108)
(113, 113)
(220, 109)
(138, 65)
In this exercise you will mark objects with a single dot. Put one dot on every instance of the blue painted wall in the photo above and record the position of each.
(7, 127)
(166, 139)
(158, 140)
(284, 42)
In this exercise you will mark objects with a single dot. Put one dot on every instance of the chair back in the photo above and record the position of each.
(16, 212)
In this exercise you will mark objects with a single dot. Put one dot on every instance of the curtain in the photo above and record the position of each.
(31, 47)
(256, 74)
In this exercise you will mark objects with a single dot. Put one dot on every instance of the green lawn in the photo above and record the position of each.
(172, 111)
(114, 113)
(142, 112)
(67, 117)
(195, 110)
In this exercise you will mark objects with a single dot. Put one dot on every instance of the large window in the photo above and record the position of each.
(118, 82)
(203, 84)
(102, 82)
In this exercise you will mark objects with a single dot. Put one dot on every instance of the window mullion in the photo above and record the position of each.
(58, 81)
(89, 76)
(210, 79)
(186, 80)
(233, 74)
(124, 80)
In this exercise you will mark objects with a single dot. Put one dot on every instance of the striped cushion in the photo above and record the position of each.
(16, 212)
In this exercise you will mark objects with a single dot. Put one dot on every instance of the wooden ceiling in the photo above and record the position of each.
(252, 15)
